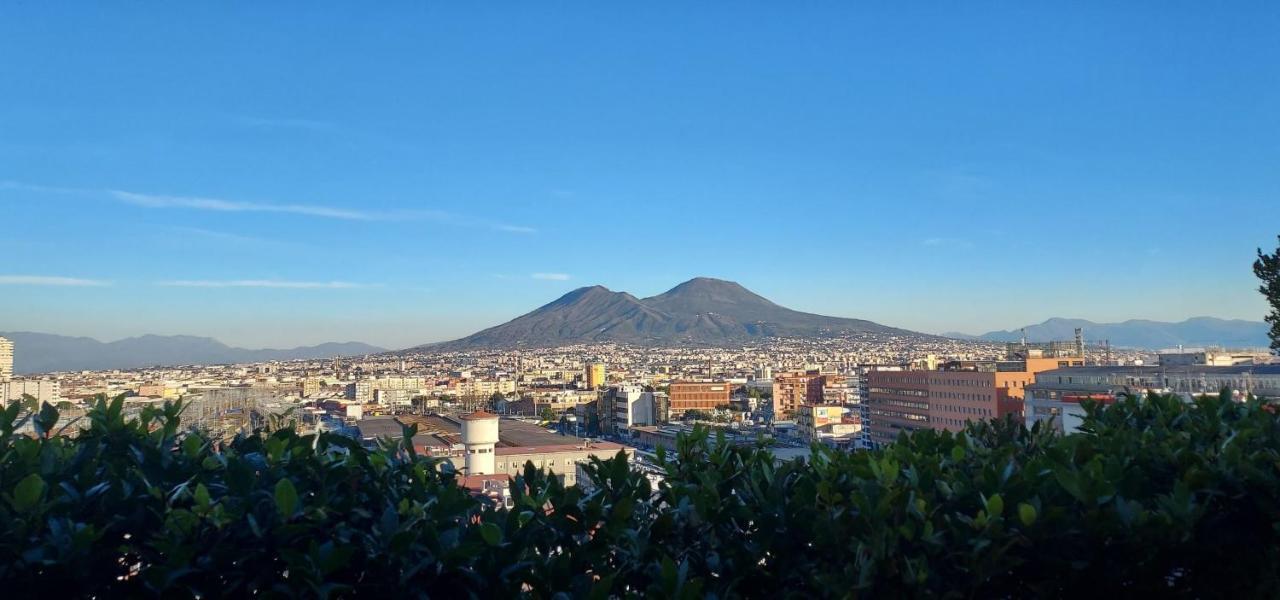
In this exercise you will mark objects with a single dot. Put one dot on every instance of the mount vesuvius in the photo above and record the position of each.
(699, 311)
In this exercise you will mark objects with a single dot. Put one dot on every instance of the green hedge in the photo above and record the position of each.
(1156, 497)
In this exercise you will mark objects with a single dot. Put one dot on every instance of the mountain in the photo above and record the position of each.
(698, 311)
(1137, 333)
(44, 352)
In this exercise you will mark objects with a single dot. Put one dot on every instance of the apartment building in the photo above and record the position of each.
(6, 360)
(963, 391)
(898, 401)
(595, 376)
(795, 389)
(698, 395)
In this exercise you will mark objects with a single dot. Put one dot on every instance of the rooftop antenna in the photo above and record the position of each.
(1080, 342)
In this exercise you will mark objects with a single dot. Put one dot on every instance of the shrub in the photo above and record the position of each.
(1155, 497)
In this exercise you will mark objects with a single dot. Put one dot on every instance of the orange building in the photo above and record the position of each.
(964, 391)
(899, 401)
(793, 390)
(698, 395)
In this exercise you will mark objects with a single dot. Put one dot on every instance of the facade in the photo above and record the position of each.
(310, 387)
(632, 406)
(43, 390)
(792, 390)
(1057, 395)
(1211, 358)
(698, 395)
(833, 424)
(963, 391)
(6, 360)
(595, 376)
(897, 401)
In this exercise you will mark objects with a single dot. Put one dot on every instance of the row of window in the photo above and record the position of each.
(899, 392)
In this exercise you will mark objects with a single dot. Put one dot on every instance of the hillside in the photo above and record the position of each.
(44, 352)
(1139, 333)
(701, 310)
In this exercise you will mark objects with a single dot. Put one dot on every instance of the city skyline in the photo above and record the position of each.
(245, 177)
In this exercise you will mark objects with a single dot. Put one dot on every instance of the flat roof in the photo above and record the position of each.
(1273, 369)
(444, 431)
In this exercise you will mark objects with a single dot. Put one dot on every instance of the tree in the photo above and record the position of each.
(1155, 497)
(547, 414)
(1267, 268)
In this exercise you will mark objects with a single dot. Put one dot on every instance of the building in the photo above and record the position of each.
(831, 424)
(517, 444)
(698, 395)
(1211, 358)
(43, 390)
(792, 390)
(897, 401)
(1057, 396)
(632, 406)
(311, 387)
(963, 391)
(595, 376)
(6, 360)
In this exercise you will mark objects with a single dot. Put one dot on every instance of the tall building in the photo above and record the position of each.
(43, 390)
(595, 376)
(962, 391)
(6, 360)
(631, 406)
(792, 390)
(898, 401)
(698, 395)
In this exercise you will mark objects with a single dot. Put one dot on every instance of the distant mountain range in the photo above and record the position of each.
(1137, 333)
(43, 352)
(699, 311)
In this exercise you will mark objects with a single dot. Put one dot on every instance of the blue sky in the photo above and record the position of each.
(275, 174)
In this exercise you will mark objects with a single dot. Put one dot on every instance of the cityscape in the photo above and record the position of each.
(654, 301)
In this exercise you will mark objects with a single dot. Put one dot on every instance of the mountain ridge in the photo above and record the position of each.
(702, 310)
(1142, 333)
(46, 352)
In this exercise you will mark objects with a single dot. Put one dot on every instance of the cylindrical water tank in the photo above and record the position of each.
(480, 436)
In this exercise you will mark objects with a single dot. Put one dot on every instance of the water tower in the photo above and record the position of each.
(479, 436)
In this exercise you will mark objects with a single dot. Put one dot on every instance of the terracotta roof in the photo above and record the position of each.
(478, 415)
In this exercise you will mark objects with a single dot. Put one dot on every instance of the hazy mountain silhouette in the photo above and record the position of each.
(1138, 333)
(701, 310)
(44, 352)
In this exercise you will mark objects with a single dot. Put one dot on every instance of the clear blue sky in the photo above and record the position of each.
(274, 174)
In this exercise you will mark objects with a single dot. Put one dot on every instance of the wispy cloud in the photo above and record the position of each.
(515, 229)
(551, 276)
(946, 242)
(50, 280)
(165, 201)
(264, 283)
(216, 204)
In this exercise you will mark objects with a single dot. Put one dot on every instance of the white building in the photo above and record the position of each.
(633, 406)
(44, 390)
(6, 360)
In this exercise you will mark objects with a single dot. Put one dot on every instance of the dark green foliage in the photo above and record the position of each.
(1267, 268)
(1156, 498)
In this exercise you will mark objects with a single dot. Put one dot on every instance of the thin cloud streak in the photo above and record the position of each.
(216, 204)
(163, 201)
(52, 280)
(264, 283)
(515, 229)
(551, 276)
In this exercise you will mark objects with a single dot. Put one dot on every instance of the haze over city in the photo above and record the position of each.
(274, 177)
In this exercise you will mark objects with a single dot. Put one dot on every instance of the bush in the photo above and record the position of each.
(1155, 497)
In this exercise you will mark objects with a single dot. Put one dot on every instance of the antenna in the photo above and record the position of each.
(1080, 342)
